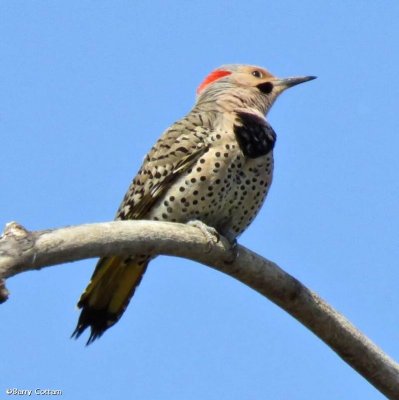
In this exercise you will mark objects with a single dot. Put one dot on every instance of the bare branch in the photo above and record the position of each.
(21, 250)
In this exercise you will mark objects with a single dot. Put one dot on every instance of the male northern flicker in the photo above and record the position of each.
(215, 166)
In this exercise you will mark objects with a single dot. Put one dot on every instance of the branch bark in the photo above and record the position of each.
(22, 250)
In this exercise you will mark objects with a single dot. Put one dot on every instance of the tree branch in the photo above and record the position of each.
(21, 250)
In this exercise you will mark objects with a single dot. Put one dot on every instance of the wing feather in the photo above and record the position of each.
(174, 153)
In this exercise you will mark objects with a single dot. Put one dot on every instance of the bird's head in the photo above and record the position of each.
(245, 86)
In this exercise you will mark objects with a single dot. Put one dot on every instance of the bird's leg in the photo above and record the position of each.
(212, 236)
(233, 250)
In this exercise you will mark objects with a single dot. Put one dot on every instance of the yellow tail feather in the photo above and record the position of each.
(106, 297)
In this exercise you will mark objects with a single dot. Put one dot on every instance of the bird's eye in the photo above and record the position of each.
(257, 74)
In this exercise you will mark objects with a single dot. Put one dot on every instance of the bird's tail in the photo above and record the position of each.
(108, 294)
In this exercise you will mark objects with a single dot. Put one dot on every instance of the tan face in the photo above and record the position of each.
(256, 77)
(251, 76)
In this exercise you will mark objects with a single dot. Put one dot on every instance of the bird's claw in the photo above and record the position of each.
(212, 236)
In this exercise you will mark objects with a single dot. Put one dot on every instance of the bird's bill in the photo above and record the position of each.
(286, 83)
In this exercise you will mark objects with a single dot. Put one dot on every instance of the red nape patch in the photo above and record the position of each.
(213, 76)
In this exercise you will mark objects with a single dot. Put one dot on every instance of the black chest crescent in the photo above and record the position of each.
(254, 135)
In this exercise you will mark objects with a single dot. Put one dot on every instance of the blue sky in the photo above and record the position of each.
(86, 88)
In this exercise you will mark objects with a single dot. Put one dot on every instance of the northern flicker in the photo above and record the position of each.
(215, 166)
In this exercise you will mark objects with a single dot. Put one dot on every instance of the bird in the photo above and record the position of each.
(213, 166)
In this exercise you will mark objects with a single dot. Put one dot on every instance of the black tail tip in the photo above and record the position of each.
(98, 321)
(94, 334)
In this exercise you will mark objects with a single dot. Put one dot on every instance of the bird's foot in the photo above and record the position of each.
(212, 236)
(233, 250)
